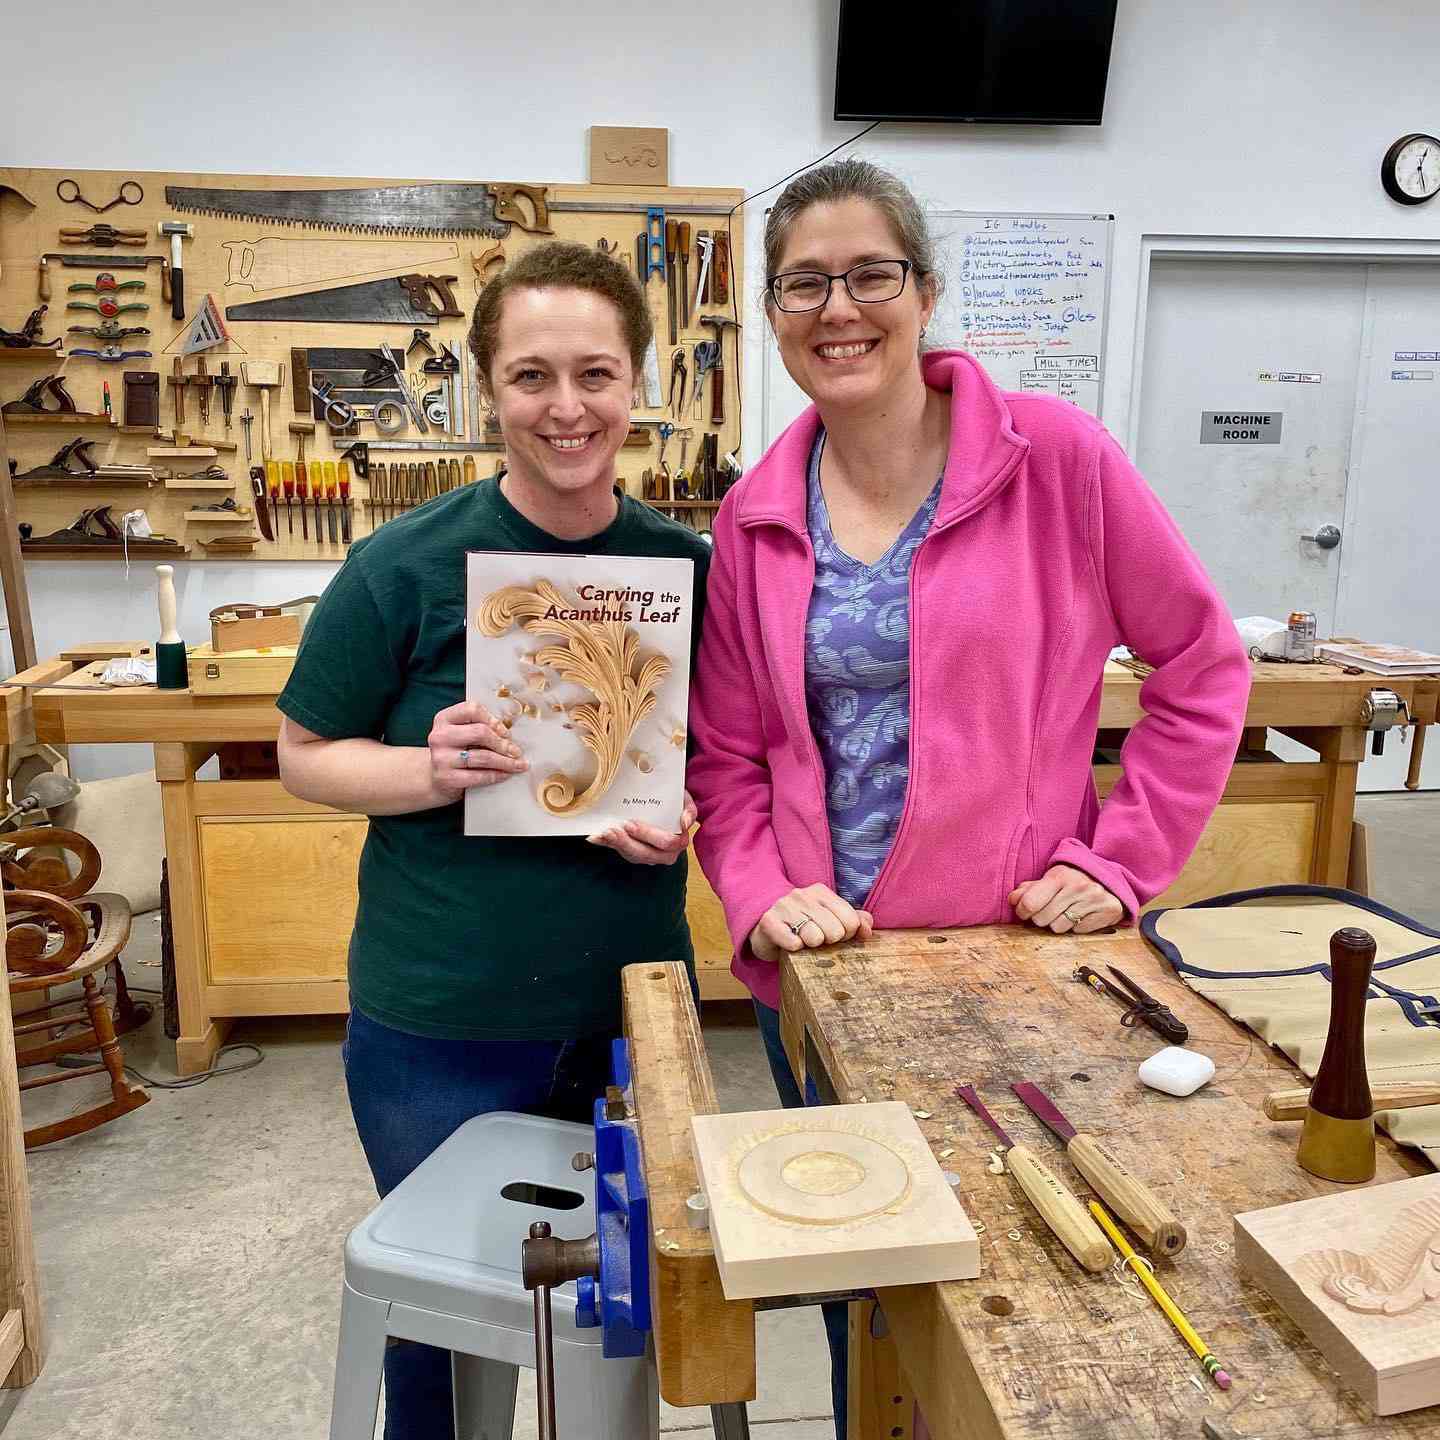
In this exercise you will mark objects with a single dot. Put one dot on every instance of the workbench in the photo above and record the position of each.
(1036, 1348)
(262, 886)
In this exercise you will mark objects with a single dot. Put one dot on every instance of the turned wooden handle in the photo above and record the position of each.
(1128, 1196)
(44, 278)
(1060, 1210)
(1400, 1095)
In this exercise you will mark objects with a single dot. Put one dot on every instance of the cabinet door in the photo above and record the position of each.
(279, 895)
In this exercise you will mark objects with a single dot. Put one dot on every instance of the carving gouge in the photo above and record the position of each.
(1399, 1095)
(1131, 1199)
(1058, 1208)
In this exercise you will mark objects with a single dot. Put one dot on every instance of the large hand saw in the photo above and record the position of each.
(439, 209)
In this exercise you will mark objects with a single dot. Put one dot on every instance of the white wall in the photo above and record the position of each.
(1226, 119)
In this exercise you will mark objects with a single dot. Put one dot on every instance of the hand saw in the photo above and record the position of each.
(405, 300)
(441, 209)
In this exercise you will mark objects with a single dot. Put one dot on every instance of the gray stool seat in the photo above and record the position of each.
(438, 1261)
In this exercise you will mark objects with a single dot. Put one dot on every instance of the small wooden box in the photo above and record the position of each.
(240, 672)
(254, 632)
(624, 155)
(1359, 1273)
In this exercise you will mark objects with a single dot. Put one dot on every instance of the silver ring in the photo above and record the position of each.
(463, 760)
(1073, 919)
(800, 924)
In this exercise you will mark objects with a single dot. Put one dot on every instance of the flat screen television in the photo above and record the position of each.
(996, 62)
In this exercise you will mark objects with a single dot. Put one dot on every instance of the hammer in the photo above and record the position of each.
(717, 393)
(178, 231)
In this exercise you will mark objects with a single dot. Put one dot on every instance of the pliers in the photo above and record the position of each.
(681, 371)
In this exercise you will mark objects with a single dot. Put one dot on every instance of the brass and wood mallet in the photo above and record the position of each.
(1338, 1142)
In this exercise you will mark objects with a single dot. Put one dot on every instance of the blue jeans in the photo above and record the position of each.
(409, 1093)
(837, 1315)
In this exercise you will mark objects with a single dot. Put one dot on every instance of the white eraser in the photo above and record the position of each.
(1177, 1071)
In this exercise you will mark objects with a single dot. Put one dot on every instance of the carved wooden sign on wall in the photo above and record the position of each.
(624, 155)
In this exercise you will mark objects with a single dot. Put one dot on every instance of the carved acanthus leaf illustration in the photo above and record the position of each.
(603, 657)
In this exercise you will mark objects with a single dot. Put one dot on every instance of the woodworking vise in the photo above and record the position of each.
(611, 1268)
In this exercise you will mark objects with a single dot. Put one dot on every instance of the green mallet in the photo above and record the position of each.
(170, 670)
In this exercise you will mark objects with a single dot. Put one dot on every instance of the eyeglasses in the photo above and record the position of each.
(869, 283)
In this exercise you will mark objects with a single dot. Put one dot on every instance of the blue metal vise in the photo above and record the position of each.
(618, 1299)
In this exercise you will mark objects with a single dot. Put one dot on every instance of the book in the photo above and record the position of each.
(1380, 659)
(587, 657)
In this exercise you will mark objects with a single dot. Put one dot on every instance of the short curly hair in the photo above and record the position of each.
(559, 264)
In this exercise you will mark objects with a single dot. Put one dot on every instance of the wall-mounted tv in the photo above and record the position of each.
(996, 62)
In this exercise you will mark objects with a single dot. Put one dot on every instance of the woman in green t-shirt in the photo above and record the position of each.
(484, 971)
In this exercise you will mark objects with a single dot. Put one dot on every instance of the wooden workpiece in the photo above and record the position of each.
(237, 260)
(1037, 1349)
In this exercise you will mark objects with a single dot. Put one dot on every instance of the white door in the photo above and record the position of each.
(1390, 558)
(1214, 328)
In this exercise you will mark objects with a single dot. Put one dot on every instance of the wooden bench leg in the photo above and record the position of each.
(881, 1403)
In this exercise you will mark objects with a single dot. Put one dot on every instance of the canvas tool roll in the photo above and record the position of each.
(1263, 956)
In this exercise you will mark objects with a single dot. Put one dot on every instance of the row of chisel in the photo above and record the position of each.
(327, 483)
(396, 488)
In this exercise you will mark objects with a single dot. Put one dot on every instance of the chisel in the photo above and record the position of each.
(332, 519)
(1058, 1208)
(1128, 1196)
(685, 274)
(672, 240)
(1398, 1095)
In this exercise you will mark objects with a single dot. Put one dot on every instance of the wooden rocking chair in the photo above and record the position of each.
(55, 933)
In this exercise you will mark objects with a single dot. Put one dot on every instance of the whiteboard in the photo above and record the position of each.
(1025, 294)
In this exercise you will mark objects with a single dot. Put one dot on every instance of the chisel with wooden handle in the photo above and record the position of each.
(1399, 1095)
(1135, 1203)
(1058, 1208)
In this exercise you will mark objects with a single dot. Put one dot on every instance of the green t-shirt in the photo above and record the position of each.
(474, 938)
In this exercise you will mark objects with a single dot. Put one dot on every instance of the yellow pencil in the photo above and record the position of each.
(1157, 1292)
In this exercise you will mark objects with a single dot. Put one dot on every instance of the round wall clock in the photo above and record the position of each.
(1410, 171)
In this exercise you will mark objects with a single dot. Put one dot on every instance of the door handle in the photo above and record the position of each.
(1327, 537)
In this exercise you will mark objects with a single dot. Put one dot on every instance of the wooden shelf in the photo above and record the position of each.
(191, 483)
(175, 452)
(149, 430)
(114, 551)
(99, 482)
(219, 517)
(29, 352)
(63, 417)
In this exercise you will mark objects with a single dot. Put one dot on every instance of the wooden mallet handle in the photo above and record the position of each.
(1399, 1095)
(1129, 1196)
(1060, 1210)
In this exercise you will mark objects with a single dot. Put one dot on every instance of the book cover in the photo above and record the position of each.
(1380, 659)
(588, 659)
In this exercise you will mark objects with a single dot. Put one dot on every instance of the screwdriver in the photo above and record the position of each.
(330, 517)
(272, 478)
(302, 491)
(317, 489)
(345, 531)
(287, 470)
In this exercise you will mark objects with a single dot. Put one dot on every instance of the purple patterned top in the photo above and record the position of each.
(857, 686)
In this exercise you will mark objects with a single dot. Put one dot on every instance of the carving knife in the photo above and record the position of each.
(1058, 1208)
(1136, 1204)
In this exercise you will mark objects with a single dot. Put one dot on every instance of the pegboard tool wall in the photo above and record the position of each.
(239, 259)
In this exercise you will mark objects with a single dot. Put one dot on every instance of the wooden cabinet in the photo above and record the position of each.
(279, 895)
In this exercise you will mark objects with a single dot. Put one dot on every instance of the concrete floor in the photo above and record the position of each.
(190, 1252)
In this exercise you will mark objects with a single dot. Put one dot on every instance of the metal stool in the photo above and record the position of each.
(438, 1261)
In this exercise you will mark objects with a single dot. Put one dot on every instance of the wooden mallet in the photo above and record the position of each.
(171, 672)
(264, 376)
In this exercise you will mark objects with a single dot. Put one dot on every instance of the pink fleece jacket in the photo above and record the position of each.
(1047, 549)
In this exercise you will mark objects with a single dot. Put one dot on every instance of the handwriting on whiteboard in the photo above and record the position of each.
(1032, 293)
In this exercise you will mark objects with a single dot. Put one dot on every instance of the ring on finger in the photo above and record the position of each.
(1073, 918)
(800, 924)
(462, 760)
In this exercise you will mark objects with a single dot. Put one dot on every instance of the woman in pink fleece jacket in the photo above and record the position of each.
(910, 605)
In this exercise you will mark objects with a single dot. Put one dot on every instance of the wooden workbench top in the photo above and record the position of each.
(77, 710)
(1037, 1348)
